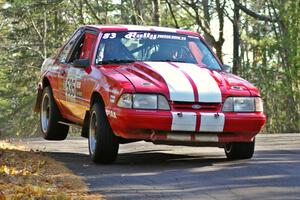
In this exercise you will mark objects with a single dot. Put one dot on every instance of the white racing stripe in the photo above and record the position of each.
(180, 89)
(206, 138)
(179, 86)
(187, 137)
(211, 123)
(163, 29)
(179, 137)
(136, 28)
(185, 122)
(149, 28)
(208, 89)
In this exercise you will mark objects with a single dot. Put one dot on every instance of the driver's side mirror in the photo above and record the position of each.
(226, 68)
(81, 63)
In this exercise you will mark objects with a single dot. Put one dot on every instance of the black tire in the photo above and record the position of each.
(49, 118)
(103, 144)
(239, 150)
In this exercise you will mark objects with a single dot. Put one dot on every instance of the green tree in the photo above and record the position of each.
(266, 46)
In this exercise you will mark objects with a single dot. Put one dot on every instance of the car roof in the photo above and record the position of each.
(122, 27)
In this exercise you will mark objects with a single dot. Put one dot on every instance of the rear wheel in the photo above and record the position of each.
(49, 118)
(103, 144)
(239, 150)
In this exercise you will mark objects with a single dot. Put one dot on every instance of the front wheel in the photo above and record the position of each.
(103, 144)
(239, 150)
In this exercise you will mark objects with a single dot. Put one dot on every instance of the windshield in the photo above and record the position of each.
(122, 47)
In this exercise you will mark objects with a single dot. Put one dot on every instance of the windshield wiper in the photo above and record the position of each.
(115, 61)
(168, 60)
(160, 60)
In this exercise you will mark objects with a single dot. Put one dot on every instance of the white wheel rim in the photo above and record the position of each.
(45, 113)
(92, 132)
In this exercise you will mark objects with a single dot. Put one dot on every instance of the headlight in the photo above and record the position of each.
(125, 101)
(243, 104)
(144, 101)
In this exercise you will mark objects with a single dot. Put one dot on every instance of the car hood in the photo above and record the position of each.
(185, 82)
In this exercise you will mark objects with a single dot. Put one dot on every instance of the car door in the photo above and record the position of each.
(73, 99)
(62, 64)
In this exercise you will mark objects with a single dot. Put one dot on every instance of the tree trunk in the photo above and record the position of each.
(124, 12)
(156, 14)
(172, 13)
(218, 47)
(236, 38)
(220, 10)
(137, 7)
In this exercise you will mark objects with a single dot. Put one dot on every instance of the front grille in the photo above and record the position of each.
(196, 106)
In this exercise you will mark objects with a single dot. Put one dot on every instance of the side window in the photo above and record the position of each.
(62, 57)
(83, 47)
(89, 40)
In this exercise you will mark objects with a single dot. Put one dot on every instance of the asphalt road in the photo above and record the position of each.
(147, 171)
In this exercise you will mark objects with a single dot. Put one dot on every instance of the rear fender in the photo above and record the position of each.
(44, 82)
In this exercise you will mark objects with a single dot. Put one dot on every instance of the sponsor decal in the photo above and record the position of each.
(110, 113)
(72, 84)
(70, 90)
(78, 84)
(112, 98)
(109, 35)
(151, 36)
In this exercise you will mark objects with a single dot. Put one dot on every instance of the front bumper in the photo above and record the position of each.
(186, 127)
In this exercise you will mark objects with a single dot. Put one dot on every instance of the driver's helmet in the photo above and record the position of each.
(166, 51)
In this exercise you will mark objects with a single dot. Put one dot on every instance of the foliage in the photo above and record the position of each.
(268, 46)
(30, 32)
(28, 174)
(271, 60)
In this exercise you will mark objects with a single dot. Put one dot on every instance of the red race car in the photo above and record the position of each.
(124, 83)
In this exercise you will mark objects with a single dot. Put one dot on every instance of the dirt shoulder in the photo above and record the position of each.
(28, 174)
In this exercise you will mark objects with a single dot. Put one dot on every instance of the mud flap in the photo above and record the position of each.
(85, 126)
(37, 106)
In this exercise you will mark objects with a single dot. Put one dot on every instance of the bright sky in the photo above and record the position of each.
(228, 36)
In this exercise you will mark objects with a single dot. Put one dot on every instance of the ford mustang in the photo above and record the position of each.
(124, 83)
